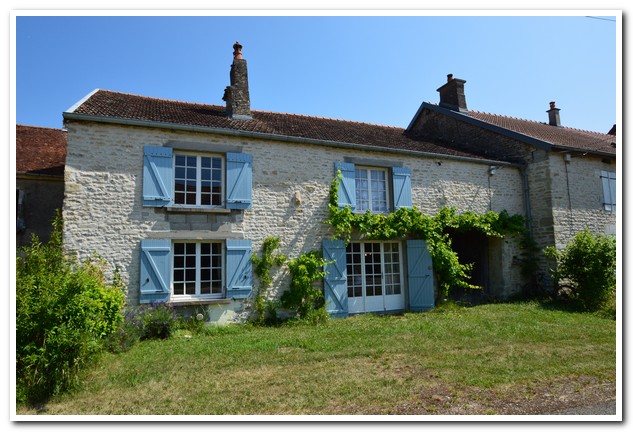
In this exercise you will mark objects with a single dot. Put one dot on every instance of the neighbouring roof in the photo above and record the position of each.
(40, 150)
(104, 105)
(533, 132)
(558, 136)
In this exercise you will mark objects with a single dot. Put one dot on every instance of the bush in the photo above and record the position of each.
(586, 267)
(64, 311)
(147, 321)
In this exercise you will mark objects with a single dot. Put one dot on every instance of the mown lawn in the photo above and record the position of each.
(487, 359)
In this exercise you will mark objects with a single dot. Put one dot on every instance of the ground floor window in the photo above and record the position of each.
(197, 269)
(374, 276)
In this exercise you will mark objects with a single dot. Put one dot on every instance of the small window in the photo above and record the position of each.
(198, 180)
(608, 190)
(19, 211)
(372, 190)
(197, 269)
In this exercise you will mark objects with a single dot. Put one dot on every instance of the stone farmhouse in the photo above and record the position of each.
(40, 157)
(178, 195)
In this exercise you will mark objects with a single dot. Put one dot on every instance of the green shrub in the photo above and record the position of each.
(157, 321)
(64, 311)
(148, 321)
(586, 267)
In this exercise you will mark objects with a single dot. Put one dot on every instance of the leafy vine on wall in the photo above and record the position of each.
(413, 223)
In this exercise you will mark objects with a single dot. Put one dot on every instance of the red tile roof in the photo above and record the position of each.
(123, 106)
(40, 150)
(558, 136)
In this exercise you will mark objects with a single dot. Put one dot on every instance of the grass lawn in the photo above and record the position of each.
(490, 359)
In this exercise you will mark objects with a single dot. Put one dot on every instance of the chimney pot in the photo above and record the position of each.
(237, 50)
(449, 77)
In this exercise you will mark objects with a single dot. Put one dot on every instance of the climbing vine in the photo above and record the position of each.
(303, 297)
(413, 223)
(262, 267)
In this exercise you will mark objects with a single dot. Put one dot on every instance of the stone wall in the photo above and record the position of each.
(104, 214)
(577, 197)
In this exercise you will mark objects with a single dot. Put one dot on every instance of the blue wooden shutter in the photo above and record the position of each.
(155, 271)
(347, 187)
(239, 181)
(420, 276)
(401, 187)
(157, 176)
(239, 268)
(608, 189)
(335, 281)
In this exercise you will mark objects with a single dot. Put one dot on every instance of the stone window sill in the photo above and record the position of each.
(197, 210)
(191, 302)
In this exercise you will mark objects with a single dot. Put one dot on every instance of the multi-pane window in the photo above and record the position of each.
(608, 190)
(197, 269)
(371, 190)
(373, 269)
(198, 180)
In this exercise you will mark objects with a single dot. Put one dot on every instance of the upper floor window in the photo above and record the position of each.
(198, 180)
(608, 190)
(376, 189)
(372, 190)
(190, 180)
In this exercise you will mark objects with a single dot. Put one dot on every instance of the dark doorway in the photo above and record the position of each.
(472, 247)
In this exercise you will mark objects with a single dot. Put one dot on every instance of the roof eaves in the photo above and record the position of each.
(277, 137)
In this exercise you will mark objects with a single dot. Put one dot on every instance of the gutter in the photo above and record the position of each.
(32, 176)
(275, 137)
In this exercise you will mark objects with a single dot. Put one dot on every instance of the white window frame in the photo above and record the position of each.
(199, 157)
(197, 296)
(370, 201)
(608, 190)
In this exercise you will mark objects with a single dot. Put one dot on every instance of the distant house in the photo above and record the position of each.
(40, 158)
(179, 195)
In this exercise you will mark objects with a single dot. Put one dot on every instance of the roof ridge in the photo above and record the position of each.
(538, 122)
(157, 98)
(41, 127)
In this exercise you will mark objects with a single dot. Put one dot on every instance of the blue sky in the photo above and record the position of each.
(375, 69)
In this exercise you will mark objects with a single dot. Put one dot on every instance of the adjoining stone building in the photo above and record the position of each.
(40, 158)
(177, 196)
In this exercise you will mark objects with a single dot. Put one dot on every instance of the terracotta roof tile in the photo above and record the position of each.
(109, 104)
(40, 150)
(556, 135)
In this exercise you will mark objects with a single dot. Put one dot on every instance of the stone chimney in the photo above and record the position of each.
(236, 96)
(452, 94)
(554, 116)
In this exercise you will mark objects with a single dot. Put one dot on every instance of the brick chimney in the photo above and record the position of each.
(554, 116)
(452, 94)
(236, 96)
